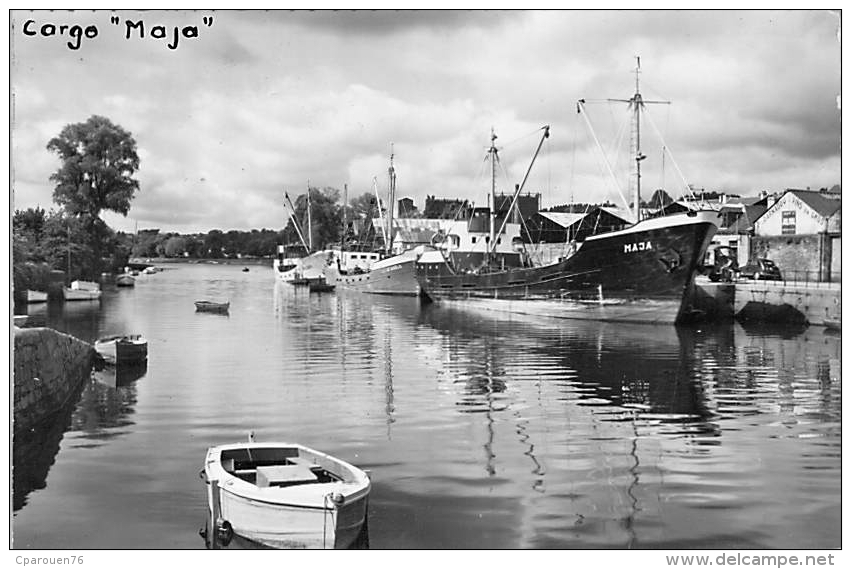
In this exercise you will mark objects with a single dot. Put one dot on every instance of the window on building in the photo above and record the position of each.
(788, 227)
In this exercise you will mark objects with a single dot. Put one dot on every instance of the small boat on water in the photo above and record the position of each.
(245, 269)
(211, 306)
(123, 349)
(125, 280)
(82, 290)
(35, 296)
(299, 264)
(283, 496)
(149, 270)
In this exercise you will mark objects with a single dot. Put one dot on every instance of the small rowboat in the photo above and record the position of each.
(82, 290)
(129, 349)
(125, 279)
(283, 496)
(34, 296)
(211, 306)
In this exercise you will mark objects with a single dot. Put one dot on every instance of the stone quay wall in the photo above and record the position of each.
(49, 368)
(780, 301)
(772, 300)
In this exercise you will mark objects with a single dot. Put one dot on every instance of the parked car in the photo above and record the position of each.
(761, 269)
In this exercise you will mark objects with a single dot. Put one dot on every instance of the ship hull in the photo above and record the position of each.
(641, 274)
(286, 270)
(392, 276)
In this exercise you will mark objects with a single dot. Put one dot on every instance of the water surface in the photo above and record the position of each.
(480, 431)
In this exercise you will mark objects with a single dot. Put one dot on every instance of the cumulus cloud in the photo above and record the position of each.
(262, 102)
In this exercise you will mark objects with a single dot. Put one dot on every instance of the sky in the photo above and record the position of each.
(265, 102)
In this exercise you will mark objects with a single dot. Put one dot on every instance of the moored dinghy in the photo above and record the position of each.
(284, 496)
(36, 296)
(127, 349)
(82, 290)
(212, 306)
(125, 280)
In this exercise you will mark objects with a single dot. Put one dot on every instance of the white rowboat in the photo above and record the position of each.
(34, 296)
(285, 495)
(82, 290)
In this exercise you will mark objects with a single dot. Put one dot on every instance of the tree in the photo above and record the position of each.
(174, 246)
(98, 161)
(363, 205)
(30, 221)
(325, 215)
(27, 231)
(145, 243)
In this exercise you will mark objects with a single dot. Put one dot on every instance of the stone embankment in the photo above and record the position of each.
(49, 368)
(779, 301)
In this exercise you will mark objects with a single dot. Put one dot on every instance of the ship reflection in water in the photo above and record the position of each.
(639, 429)
(480, 430)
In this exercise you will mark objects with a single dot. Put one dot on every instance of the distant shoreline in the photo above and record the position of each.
(192, 261)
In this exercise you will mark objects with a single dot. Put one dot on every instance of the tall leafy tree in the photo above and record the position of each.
(98, 162)
(325, 215)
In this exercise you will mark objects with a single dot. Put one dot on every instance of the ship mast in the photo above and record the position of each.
(288, 205)
(519, 187)
(380, 214)
(636, 105)
(392, 172)
(345, 217)
(494, 157)
(309, 222)
(636, 140)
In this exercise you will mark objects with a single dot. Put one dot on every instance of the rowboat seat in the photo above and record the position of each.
(283, 475)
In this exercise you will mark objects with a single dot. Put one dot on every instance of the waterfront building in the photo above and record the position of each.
(801, 233)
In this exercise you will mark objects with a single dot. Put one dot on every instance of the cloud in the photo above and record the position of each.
(372, 22)
(265, 101)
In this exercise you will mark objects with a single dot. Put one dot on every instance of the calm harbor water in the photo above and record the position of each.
(480, 431)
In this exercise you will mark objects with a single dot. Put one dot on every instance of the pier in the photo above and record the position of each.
(49, 368)
(786, 301)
